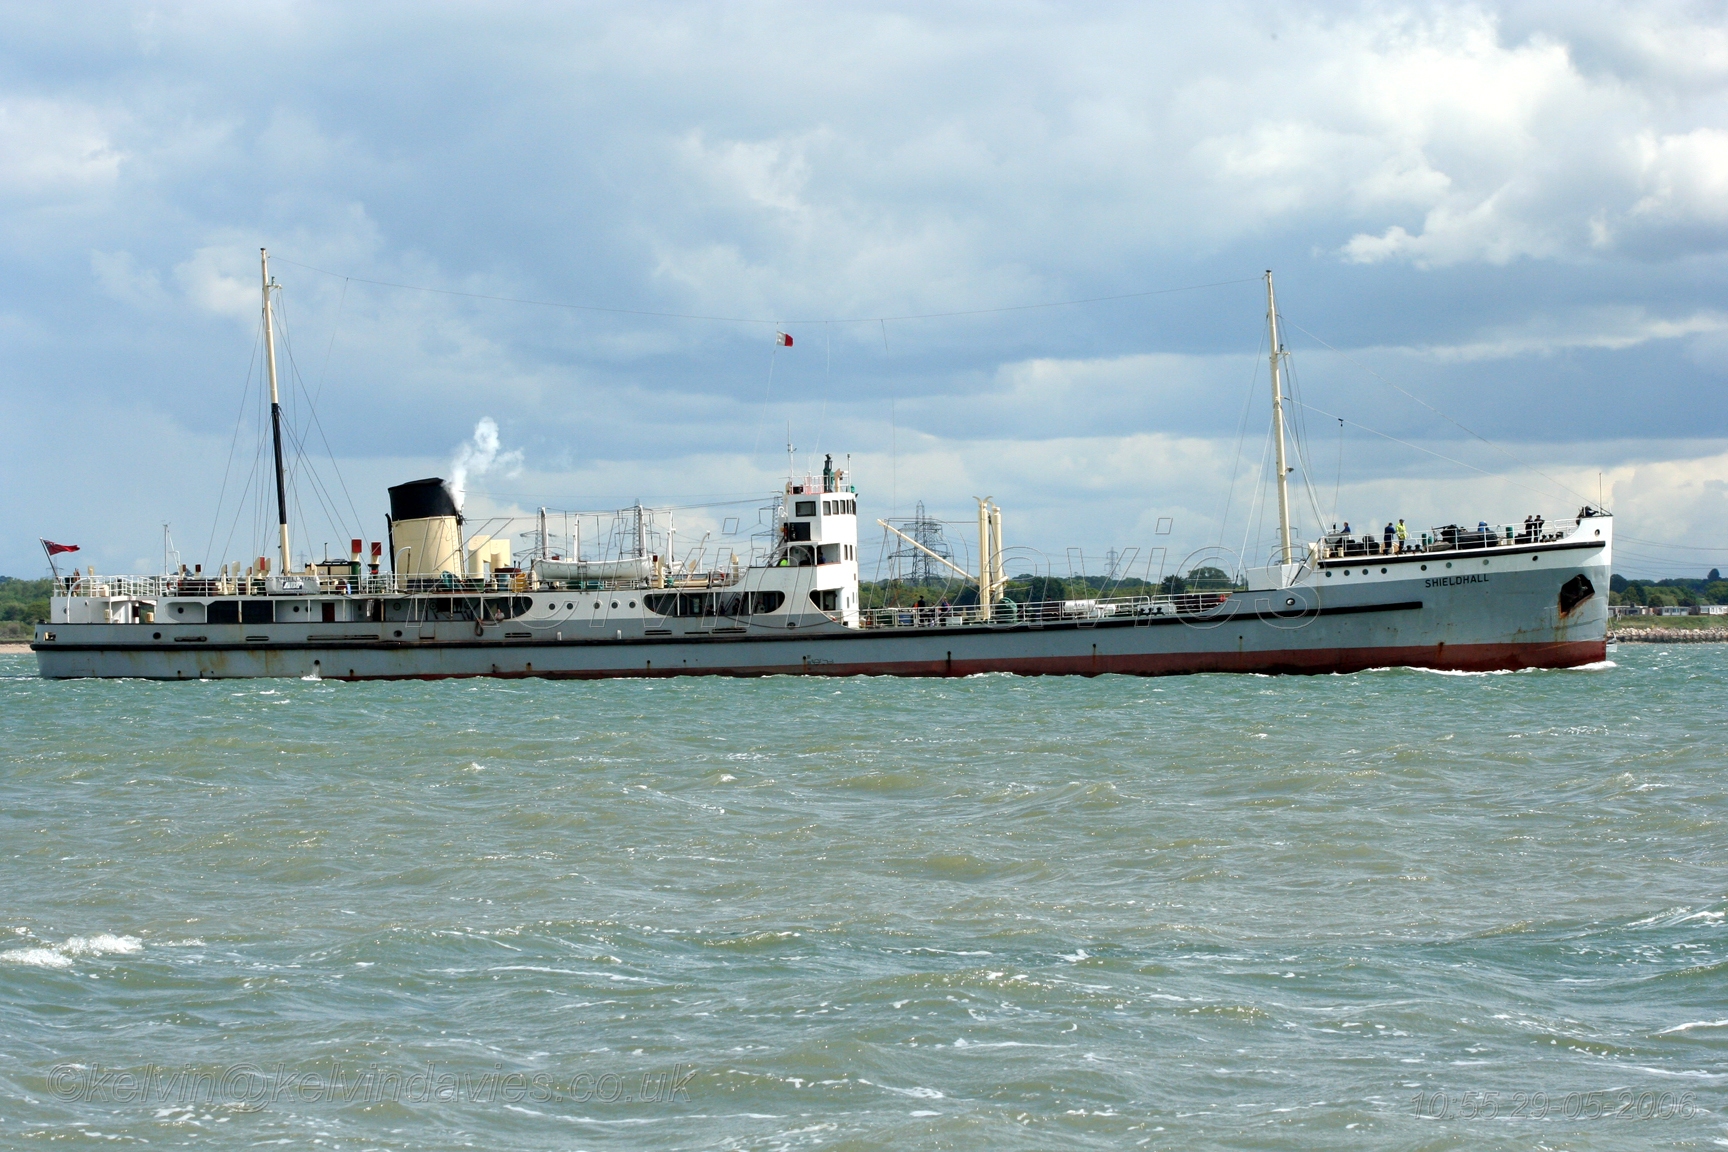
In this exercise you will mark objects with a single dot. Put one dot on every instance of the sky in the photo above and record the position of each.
(1499, 238)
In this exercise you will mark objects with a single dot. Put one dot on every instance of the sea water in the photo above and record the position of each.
(1392, 910)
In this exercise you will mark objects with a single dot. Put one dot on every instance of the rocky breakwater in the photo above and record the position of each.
(1712, 635)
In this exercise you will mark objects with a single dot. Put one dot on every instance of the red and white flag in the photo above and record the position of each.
(783, 339)
(55, 549)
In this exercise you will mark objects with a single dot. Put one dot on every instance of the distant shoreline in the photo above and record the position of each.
(14, 647)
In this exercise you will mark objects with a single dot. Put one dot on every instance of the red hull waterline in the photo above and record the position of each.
(1297, 662)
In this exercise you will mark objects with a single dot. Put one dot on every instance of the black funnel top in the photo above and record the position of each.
(422, 500)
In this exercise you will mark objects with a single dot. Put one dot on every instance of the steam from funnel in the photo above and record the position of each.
(479, 456)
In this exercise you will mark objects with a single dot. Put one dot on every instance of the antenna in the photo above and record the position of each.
(170, 554)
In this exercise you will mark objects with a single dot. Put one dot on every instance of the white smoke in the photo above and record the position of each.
(479, 456)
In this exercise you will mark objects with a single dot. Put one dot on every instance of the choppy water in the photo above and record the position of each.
(987, 913)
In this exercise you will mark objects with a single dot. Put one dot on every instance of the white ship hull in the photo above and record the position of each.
(1471, 610)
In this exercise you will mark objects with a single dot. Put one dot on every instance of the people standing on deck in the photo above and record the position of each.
(1386, 539)
(1403, 536)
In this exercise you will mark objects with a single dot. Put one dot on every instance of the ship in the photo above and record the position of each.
(439, 598)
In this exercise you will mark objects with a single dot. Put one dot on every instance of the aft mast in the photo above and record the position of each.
(1278, 426)
(275, 408)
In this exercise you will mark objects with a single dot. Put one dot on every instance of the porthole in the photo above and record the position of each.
(1448, 563)
(398, 633)
(1289, 600)
(155, 635)
(1364, 571)
(1533, 559)
(596, 603)
(1424, 567)
(1598, 531)
(632, 603)
(1328, 575)
(614, 603)
(569, 607)
(1382, 571)
(1484, 563)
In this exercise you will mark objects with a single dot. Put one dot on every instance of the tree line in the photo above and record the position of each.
(23, 604)
(1029, 589)
(1675, 592)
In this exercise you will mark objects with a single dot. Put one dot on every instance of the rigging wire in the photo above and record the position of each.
(326, 498)
(1241, 435)
(755, 320)
(1338, 483)
(1259, 491)
(240, 506)
(233, 444)
(240, 502)
(335, 326)
(1618, 536)
(1431, 452)
(312, 410)
(1303, 456)
(762, 417)
(827, 384)
(1437, 412)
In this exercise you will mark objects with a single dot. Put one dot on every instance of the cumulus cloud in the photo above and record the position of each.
(1524, 153)
(50, 147)
(1514, 210)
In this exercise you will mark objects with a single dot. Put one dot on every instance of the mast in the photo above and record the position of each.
(275, 408)
(986, 576)
(1278, 426)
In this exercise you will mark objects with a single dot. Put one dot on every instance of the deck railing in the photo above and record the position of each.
(385, 584)
(1448, 538)
(1043, 612)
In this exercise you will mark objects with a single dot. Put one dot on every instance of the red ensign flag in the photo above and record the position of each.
(783, 339)
(55, 549)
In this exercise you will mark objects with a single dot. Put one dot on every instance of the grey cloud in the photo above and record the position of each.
(1510, 211)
